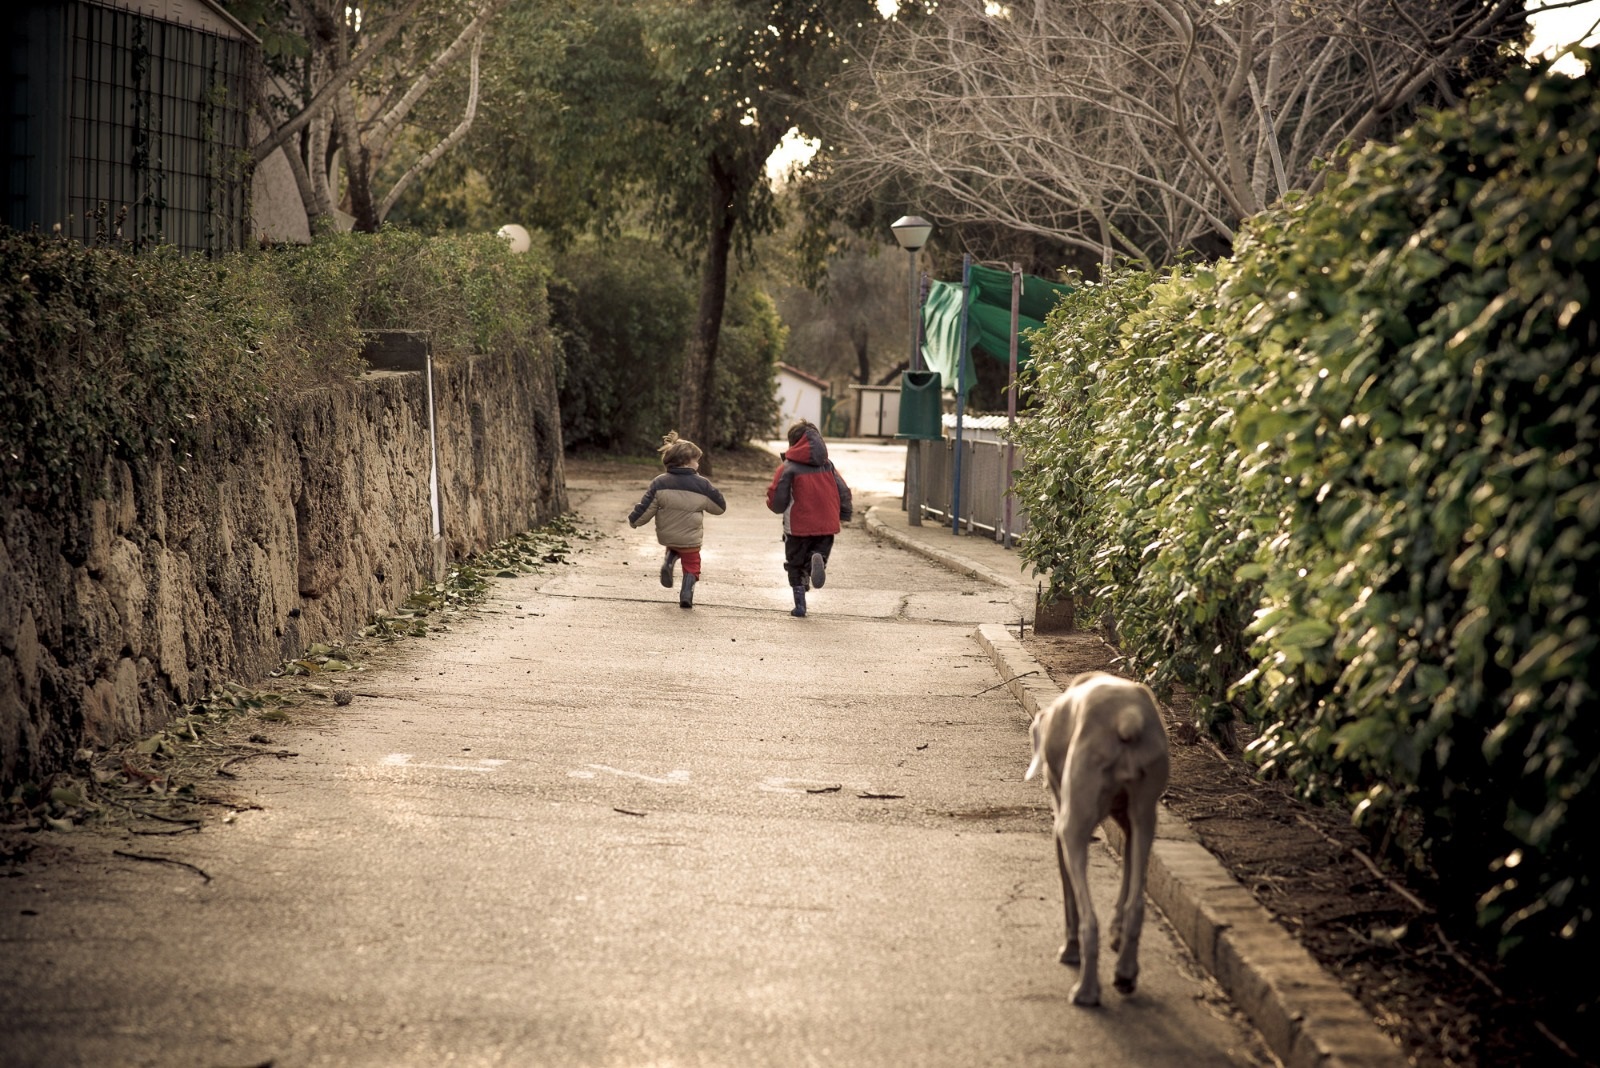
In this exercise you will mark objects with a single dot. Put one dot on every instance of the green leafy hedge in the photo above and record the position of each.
(1343, 484)
(625, 312)
(106, 352)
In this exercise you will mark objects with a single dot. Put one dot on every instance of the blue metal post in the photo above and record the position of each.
(961, 393)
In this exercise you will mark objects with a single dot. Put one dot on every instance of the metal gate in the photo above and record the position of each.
(983, 486)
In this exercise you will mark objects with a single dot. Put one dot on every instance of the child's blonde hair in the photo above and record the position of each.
(678, 452)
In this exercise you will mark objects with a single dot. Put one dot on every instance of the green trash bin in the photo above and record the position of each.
(921, 406)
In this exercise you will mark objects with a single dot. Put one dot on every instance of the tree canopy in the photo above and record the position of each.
(342, 88)
(662, 112)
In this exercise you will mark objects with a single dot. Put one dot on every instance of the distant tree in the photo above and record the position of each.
(1139, 129)
(852, 322)
(662, 113)
(738, 74)
(571, 119)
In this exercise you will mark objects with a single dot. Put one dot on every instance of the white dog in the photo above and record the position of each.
(1104, 750)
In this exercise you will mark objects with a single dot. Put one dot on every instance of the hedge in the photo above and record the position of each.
(1343, 485)
(109, 352)
(625, 315)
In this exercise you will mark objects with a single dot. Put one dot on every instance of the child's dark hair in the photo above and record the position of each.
(798, 428)
(678, 452)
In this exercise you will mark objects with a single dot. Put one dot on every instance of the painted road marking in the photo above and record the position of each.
(674, 778)
(403, 760)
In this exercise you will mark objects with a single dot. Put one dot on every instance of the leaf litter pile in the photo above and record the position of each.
(167, 783)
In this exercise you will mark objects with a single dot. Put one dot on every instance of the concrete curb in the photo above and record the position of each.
(1305, 1017)
(882, 531)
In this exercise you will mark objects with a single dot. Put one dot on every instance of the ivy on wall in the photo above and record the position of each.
(107, 352)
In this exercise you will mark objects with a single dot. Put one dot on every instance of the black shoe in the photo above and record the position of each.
(686, 595)
(819, 570)
(666, 568)
(799, 602)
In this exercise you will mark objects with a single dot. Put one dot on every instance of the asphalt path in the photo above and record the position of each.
(587, 827)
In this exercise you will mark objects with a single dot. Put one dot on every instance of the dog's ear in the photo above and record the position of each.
(1036, 736)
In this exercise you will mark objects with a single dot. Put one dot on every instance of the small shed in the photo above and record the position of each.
(877, 410)
(800, 396)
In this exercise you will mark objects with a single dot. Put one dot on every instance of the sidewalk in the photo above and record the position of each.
(977, 555)
(577, 825)
(1301, 1011)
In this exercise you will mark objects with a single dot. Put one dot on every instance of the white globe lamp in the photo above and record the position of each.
(517, 235)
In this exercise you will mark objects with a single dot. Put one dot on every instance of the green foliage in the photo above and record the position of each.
(112, 354)
(1128, 500)
(624, 314)
(570, 118)
(745, 401)
(1353, 469)
(1428, 402)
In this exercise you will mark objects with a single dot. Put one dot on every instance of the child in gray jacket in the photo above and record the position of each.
(676, 500)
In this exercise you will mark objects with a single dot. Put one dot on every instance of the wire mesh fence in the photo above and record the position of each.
(125, 126)
(982, 504)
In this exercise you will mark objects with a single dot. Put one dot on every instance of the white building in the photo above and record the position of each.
(877, 410)
(799, 397)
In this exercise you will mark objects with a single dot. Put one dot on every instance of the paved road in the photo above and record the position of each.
(591, 828)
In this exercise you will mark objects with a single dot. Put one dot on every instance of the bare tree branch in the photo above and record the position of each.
(362, 83)
(325, 93)
(432, 155)
(1131, 128)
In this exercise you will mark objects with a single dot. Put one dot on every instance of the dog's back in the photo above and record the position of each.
(1118, 727)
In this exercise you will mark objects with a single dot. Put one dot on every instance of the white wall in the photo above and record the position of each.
(797, 399)
(279, 214)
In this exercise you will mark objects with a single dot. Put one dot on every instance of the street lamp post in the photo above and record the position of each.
(912, 231)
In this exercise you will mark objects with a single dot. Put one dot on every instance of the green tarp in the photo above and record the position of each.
(988, 320)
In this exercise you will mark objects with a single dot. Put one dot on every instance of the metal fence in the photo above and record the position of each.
(982, 502)
(117, 113)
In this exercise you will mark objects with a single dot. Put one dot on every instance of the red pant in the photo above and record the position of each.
(691, 560)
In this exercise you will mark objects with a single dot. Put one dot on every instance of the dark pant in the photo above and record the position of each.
(797, 550)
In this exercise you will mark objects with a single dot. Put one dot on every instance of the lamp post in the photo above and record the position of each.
(911, 231)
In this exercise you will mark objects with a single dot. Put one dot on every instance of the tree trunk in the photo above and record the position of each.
(357, 165)
(700, 366)
(859, 341)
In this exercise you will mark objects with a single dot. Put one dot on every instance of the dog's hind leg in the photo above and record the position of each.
(1074, 831)
(1140, 836)
(1070, 950)
(1119, 813)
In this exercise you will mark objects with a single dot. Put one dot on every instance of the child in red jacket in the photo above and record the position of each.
(814, 502)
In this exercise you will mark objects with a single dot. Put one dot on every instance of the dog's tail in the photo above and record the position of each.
(1130, 724)
(1134, 728)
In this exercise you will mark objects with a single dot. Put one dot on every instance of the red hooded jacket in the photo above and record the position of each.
(807, 491)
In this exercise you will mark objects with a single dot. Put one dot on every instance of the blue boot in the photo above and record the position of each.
(799, 601)
(686, 595)
(666, 569)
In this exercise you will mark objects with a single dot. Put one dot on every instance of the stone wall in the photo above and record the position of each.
(218, 565)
